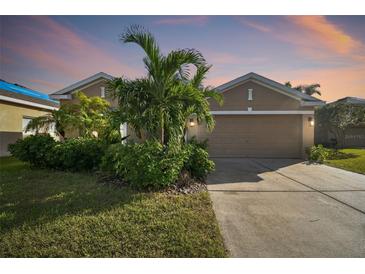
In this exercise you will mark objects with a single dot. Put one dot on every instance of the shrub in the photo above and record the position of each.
(148, 165)
(319, 153)
(73, 154)
(202, 144)
(198, 163)
(34, 149)
(77, 154)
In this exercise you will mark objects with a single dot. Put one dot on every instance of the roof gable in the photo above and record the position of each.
(305, 98)
(84, 82)
(350, 100)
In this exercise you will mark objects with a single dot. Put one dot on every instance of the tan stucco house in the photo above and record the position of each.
(259, 117)
(18, 105)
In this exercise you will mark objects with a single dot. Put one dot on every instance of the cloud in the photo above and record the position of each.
(183, 20)
(254, 25)
(43, 83)
(335, 82)
(320, 31)
(40, 42)
(318, 38)
(221, 57)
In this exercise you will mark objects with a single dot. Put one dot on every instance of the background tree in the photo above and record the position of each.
(336, 118)
(91, 114)
(158, 105)
(288, 84)
(307, 89)
(86, 116)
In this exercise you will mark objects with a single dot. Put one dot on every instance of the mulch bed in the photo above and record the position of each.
(184, 185)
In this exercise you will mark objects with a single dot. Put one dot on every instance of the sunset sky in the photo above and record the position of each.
(47, 53)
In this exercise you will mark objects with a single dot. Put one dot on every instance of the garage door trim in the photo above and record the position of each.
(261, 112)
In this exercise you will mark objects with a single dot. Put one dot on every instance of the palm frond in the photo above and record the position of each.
(200, 75)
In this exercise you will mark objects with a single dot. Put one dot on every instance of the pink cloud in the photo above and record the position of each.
(43, 83)
(62, 51)
(221, 57)
(219, 80)
(335, 83)
(254, 25)
(318, 30)
(184, 20)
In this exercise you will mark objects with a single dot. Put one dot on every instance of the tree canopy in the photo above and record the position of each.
(159, 104)
(337, 117)
(86, 116)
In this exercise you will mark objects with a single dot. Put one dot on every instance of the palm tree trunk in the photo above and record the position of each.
(162, 130)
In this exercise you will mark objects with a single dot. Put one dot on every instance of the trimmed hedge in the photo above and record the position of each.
(148, 165)
(73, 155)
(35, 149)
(77, 154)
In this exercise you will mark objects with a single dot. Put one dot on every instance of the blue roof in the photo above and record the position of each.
(25, 91)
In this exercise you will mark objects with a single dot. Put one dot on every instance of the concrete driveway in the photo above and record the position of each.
(287, 208)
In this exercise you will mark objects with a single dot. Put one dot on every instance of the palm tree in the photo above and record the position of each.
(160, 103)
(60, 119)
(288, 84)
(307, 89)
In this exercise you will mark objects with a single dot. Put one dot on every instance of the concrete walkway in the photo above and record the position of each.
(287, 208)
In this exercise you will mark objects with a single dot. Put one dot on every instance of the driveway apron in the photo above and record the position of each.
(287, 208)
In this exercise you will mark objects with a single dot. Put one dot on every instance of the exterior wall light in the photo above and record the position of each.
(191, 122)
(311, 121)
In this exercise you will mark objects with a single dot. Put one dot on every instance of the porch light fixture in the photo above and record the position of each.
(191, 122)
(311, 121)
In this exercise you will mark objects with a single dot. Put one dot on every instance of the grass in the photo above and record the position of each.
(355, 161)
(57, 214)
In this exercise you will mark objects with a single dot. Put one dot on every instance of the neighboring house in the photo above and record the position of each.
(259, 117)
(94, 85)
(354, 136)
(18, 105)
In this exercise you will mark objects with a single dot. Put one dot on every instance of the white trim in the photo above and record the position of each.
(311, 104)
(63, 96)
(23, 102)
(260, 112)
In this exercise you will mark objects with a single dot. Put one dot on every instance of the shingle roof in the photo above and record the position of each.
(274, 84)
(79, 84)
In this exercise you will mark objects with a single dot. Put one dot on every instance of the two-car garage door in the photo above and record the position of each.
(265, 136)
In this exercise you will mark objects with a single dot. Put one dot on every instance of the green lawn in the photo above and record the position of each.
(355, 162)
(57, 214)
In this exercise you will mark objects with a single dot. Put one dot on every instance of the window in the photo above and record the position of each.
(250, 90)
(25, 122)
(50, 129)
(102, 92)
